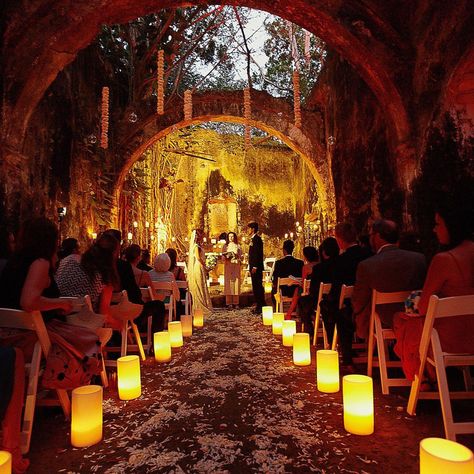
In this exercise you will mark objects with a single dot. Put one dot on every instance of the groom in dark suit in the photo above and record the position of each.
(256, 266)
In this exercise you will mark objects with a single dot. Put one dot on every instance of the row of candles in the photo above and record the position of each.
(436, 454)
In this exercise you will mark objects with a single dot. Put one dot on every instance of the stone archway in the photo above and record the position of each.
(64, 30)
(274, 116)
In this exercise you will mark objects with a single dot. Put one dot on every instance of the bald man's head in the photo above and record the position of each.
(387, 230)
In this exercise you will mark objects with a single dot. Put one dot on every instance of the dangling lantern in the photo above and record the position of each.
(104, 138)
(297, 98)
(160, 89)
(247, 116)
(188, 105)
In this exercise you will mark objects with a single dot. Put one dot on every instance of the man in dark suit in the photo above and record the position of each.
(344, 273)
(286, 266)
(256, 266)
(391, 269)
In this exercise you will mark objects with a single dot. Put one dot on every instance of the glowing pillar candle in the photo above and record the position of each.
(187, 325)
(288, 330)
(162, 346)
(268, 286)
(86, 416)
(358, 399)
(277, 323)
(176, 333)
(198, 320)
(327, 371)
(5, 462)
(301, 350)
(221, 280)
(128, 375)
(443, 455)
(267, 315)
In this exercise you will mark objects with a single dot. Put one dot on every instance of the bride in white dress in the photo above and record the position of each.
(197, 274)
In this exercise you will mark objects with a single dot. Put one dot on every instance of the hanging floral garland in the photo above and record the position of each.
(160, 89)
(307, 45)
(188, 105)
(104, 139)
(247, 116)
(297, 98)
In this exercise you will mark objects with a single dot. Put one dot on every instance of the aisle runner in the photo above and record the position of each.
(230, 401)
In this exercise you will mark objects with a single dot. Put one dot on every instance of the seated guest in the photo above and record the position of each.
(161, 273)
(284, 267)
(27, 283)
(132, 255)
(451, 273)
(390, 269)
(322, 273)
(310, 259)
(93, 274)
(68, 246)
(344, 273)
(144, 263)
(12, 390)
(175, 269)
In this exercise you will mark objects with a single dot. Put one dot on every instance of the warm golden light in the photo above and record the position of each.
(86, 416)
(268, 287)
(277, 323)
(221, 280)
(5, 462)
(288, 330)
(301, 350)
(94, 235)
(358, 399)
(327, 371)
(267, 315)
(147, 224)
(187, 325)
(198, 320)
(130, 236)
(135, 224)
(445, 456)
(176, 333)
(162, 346)
(128, 377)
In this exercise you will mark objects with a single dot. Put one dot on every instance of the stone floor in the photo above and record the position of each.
(232, 401)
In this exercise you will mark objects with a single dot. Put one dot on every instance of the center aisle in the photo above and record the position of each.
(231, 400)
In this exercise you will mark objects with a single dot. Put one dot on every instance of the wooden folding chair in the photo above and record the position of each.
(443, 308)
(346, 293)
(324, 289)
(127, 325)
(13, 318)
(187, 300)
(306, 285)
(168, 287)
(104, 334)
(281, 300)
(381, 335)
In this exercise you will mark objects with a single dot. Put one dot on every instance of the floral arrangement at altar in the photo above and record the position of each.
(211, 261)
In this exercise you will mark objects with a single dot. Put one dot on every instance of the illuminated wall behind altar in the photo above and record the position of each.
(199, 178)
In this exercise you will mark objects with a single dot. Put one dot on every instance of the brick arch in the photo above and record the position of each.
(58, 30)
(274, 116)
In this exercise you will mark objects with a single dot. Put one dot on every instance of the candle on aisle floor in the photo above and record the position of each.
(443, 455)
(267, 315)
(358, 400)
(277, 323)
(176, 333)
(288, 330)
(301, 350)
(198, 320)
(268, 286)
(86, 416)
(187, 325)
(5, 462)
(128, 375)
(327, 371)
(162, 346)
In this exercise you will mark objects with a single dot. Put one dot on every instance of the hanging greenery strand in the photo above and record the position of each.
(297, 98)
(188, 105)
(104, 139)
(160, 89)
(247, 116)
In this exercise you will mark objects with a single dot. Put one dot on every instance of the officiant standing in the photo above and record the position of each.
(232, 254)
(256, 266)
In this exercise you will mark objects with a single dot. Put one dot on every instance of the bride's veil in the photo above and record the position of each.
(191, 254)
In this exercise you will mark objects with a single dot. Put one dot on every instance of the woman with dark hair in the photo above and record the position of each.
(132, 254)
(93, 274)
(232, 254)
(451, 273)
(175, 269)
(144, 263)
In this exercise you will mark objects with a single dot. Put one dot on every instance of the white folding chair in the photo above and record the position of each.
(187, 300)
(165, 286)
(346, 293)
(443, 308)
(324, 289)
(381, 335)
(306, 285)
(13, 318)
(281, 299)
